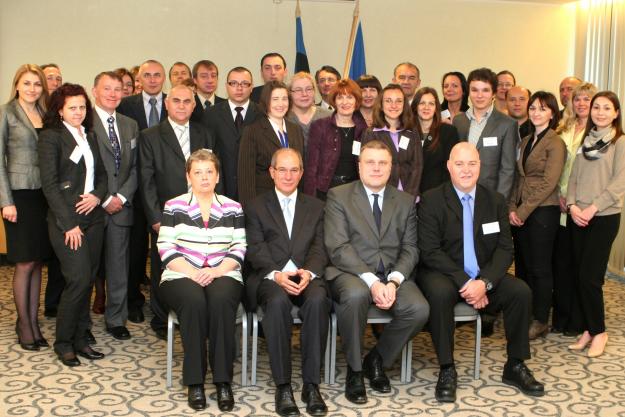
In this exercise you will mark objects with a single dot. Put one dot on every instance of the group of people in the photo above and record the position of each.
(372, 197)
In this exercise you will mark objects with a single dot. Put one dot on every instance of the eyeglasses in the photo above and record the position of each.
(307, 90)
(242, 84)
(292, 171)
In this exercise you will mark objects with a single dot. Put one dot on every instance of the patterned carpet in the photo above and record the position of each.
(130, 381)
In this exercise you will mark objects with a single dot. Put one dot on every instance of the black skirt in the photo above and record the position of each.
(27, 240)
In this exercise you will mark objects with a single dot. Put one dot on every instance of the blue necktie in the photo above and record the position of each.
(117, 152)
(284, 139)
(153, 116)
(470, 260)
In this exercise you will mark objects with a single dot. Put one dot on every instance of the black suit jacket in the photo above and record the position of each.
(162, 172)
(219, 121)
(441, 236)
(199, 110)
(132, 106)
(63, 180)
(255, 96)
(269, 247)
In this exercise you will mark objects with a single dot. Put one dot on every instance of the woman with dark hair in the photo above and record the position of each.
(455, 95)
(595, 200)
(74, 183)
(330, 160)
(134, 71)
(392, 124)
(370, 88)
(21, 199)
(534, 206)
(270, 132)
(128, 81)
(437, 138)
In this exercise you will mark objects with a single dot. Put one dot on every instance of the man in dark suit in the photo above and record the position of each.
(326, 77)
(495, 135)
(370, 233)
(163, 151)
(287, 259)
(226, 121)
(205, 76)
(272, 68)
(147, 109)
(466, 249)
(116, 136)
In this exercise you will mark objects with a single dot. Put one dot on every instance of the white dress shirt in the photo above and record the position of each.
(104, 116)
(85, 151)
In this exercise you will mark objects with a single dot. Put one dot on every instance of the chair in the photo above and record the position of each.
(241, 319)
(374, 316)
(258, 317)
(462, 312)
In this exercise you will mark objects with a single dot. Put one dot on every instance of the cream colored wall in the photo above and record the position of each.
(535, 41)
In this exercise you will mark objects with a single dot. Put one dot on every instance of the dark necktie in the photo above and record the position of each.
(238, 120)
(377, 216)
(153, 117)
(117, 152)
(207, 104)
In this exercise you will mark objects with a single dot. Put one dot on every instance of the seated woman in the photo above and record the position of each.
(437, 138)
(202, 245)
(330, 160)
(392, 124)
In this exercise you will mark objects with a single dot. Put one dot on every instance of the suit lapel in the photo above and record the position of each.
(273, 206)
(388, 208)
(362, 202)
(141, 109)
(491, 123)
(21, 115)
(453, 202)
(169, 137)
(102, 132)
(479, 207)
(519, 162)
(226, 115)
(270, 133)
(300, 215)
(71, 144)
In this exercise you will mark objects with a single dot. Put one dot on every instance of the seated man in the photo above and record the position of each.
(370, 234)
(469, 264)
(287, 260)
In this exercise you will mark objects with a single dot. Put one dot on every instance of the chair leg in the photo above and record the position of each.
(170, 348)
(326, 362)
(254, 346)
(404, 354)
(333, 330)
(244, 343)
(478, 345)
(408, 367)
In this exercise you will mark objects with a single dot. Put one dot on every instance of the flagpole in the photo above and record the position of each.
(298, 12)
(352, 35)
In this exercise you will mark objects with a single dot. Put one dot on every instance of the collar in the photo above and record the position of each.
(244, 105)
(174, 124)
(369, 192)
(76, 132)
(104, 115)
(276, 127)
(471, 115)
(281, 196)
(462, 193)
(147, 97)
(203, 98)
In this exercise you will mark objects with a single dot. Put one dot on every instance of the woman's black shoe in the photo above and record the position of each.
(42, 343)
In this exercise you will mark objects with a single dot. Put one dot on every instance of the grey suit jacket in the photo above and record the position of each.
(352, 239)
(497, 163)
(19, 161)
(126, 180)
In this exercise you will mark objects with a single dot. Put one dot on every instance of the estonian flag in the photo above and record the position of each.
(358, 66)
(301, 59)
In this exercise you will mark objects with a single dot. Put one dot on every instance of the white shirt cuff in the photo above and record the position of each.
(271, 275)
(122, 198)
(397, 276)
(369, 278)
(107, 201)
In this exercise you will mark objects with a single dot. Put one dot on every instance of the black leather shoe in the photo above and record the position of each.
(28, 346)
(225, 399)
(355, 387)
(521, 377)
(488, 328)
(90, 338)
(89, 353)
(315, 406)
(136, 315)
(68, 359)
(42, 343)
(50, 312)
(374, 371)
(446, 385)
(119, 332)
(196, 397)
(285, 403)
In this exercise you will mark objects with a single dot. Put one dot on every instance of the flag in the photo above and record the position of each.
(358, 66)
(301, 59)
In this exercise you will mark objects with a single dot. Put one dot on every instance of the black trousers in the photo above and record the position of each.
(209, 311)
(536, 238)
(511, 295)
(591, 251)
(565, 300)
(314, 311)
(159, 318)
(79, 268)
(54, 285)
(138, 255)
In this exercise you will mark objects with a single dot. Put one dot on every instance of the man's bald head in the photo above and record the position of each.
(464, 166)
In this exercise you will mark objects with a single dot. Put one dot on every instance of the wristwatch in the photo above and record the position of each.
(487, 283)
(395, 283)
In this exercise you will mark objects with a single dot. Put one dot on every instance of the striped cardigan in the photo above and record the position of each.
(183, 234)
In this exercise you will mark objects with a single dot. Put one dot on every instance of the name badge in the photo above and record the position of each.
(133, 143)
(490, 141)
(445, 114)
(356, 148)
(490, 228)
(403, 142)
(76, 155)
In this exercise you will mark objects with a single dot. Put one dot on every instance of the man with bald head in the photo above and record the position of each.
(516, 102)
(567, 86)
(466, 249)
(163, 152)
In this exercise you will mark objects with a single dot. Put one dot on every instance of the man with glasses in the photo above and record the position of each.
(226, 121)
(408, 76)
(205, 77)
(326, 77)
(284, 230)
